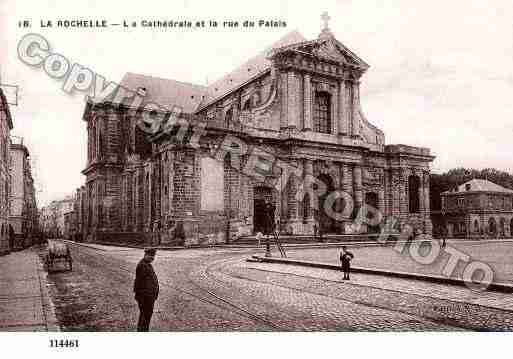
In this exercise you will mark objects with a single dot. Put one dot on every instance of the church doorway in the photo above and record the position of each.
(261, 195)
(327, 224)
(371, 199)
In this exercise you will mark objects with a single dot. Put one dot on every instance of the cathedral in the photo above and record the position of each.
(295, 105)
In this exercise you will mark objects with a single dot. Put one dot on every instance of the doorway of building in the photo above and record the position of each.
(371, 199)
(261, 194)
(327, 224)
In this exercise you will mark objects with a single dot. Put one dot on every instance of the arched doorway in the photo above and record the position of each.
(511, 227)
(261, 195)
(492, 226)
(326, 223)
(371, 199)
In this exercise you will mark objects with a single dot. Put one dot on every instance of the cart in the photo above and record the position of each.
(58, 252)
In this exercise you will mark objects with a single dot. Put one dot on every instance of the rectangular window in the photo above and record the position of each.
(322, 113)
(212, 185)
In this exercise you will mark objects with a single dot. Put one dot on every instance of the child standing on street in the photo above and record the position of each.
(345, 260)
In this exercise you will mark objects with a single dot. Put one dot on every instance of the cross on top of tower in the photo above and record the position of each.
(325, 18)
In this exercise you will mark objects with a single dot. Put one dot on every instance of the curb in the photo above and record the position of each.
(494, 286)
(51, 322)
(231, 246)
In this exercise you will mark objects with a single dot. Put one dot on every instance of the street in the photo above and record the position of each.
(215, 289)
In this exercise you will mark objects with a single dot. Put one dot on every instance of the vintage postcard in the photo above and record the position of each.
(255, 166)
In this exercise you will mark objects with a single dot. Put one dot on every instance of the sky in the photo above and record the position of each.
(441, 72)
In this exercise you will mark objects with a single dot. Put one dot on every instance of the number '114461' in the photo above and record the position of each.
(63, 343)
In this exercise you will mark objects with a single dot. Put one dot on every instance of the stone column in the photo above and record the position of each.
(347, 185)
(284, 198)
(138, 203)
(308, 175)
(307, 103)
(334, 113)
(358, 191)
(89, 142)
(171, 186)
(284, 100)
(403, 192)
(99, 131)
(342, 108)
(340, 203)
(358, 186)
(355, 107)
(420, 175)
(397, 189)
(292, 100)
(427, 205)
(293, 204)
(347, 178)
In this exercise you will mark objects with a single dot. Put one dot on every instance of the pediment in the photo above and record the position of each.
(329, 49)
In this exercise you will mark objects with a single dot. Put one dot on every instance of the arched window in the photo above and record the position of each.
(476, 226)
(322, 112)
(228, 117)
(413, 194)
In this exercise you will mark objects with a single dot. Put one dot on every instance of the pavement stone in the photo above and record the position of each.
(25, 304)
(459, 307)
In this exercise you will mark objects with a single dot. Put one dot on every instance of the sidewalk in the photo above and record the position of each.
(494, 286)
(24, 300)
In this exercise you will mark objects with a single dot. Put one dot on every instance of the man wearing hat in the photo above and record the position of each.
(146, 288)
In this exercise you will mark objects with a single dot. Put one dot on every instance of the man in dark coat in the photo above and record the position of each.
(146, 289)
(345, 260)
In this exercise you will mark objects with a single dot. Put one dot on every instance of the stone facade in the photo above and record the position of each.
(295, 108)
(23, 216)
(476, 209)
(54, 215)
(6, 126)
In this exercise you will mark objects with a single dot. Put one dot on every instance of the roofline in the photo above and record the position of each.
(159, 78)
(5, 105)
(220, 97)
(459, 193)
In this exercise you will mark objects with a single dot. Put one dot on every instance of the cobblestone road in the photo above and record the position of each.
(216, 290)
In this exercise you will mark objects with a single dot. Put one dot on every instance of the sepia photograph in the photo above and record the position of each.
(245, 168)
